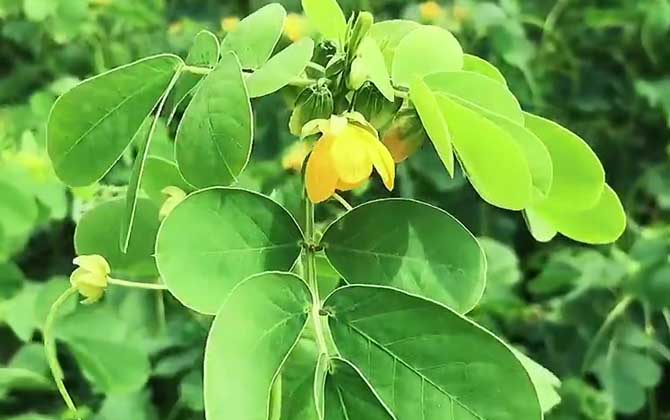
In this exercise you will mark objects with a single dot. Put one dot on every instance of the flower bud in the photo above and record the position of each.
(315, 102)
(405, 136)
(325, 51)
(378, 110)
(91, 278)
(175, 195)
(360, 30)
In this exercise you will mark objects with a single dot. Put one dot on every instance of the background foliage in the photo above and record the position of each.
(597, 317)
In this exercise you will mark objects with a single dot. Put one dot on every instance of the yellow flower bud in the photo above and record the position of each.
(176, 28)
(295, 27)
(175, 195)
(91, 278)
(295, 156)
(230, 23)
(431, 11)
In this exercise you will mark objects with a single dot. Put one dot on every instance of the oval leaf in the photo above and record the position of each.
(159, 174)
(426, 361)
(388, 35)
(220, 236)
(250, 339)
(479, 65)
(91, 125)
(327, 17)
(409, 245)
(411, 56)
(281, 69)
(375, 68)
(213, 141)
(256, 36)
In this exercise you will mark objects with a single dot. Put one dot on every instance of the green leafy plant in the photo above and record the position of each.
(287, 341)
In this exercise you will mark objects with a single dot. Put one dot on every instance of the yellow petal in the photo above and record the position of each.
(320, 175)
(93, 263)
(343, 186)
(350, 155)
(82, 277)
(383, 162)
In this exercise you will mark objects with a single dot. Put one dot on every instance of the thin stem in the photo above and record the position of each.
(50, 349)
(310, 273)
(197, 70)
(317, 67)
(302, 82)
(343, 202)
(137, 285)
(618, 310)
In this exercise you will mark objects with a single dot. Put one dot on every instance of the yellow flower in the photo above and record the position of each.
(344, 156)
(175, 195)
(91, 278)
(295, 156)
(176, 28)
(294, 27)
(37, 166)
(229, 24)
(431, 11)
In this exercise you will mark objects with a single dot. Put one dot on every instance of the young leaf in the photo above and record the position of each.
(256, 36)
(327, 17)
(494, 162)
(251, 338)
(372, 60)
(218, 237)
(409, 245)
(281, 69)
(424, 51)
(91, 125)
(213, 141)
(349, 396)
(426, 361)
(479, 65)
(433, 122)
(388, 35)
(546, 383)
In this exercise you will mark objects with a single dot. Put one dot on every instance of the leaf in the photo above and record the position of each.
(372, 60)
(426, 361)
(161, 173)
(256, 36)
(92, 124)
(349, 396)
(136, 406)
(327, 17)
(18, 212)
(433, 122)
(388, 35)
(493, 161)
(477, 91)
(546, 383)
(213, 141)
(281, 69)
(475, 64)
(99, 230)
(298, 381)
(220, 236)
(411, 246)
(579, 177)
(251, 338)
(411, 55)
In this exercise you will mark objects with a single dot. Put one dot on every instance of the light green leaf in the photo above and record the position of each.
(327, 17)
(350, 396)
(21, 379)
(213, 141)
(372, 60)
(479, 65)
(433, 122)
(298, 381)
(161, 173)
(477, 92)
(256, 36)
(92, 124)
(494, 162)
(546, 383)
(388, 35)
(99, 230)
(579, 177)
(426, 361)
(409, 245)
(251, 338)
(426, 50)
(602, 224)
(281, 69)
(18, 212)
(39, 10)
(220, 236)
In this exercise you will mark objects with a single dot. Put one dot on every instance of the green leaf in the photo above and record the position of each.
(494, 162)
(281, 69)
(256, 36)
(426, 50)
(298, 381)
(350, 396)
(411, 246)
(602, 224)
(161, 173)
(579, 177)
(372, 60)
(546, 383)
(21, 379)
(39, 10)
(99, 230)
(433, 122)
(220, 236)
(327, 17)
(477, 91)
(426, 361)
(18, 212)
(479, 65)
(388, 35)
(251, 338)
(92, 124)
(213, 141)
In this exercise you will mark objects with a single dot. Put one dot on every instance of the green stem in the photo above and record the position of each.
(343, 202)
(310, 272)
(137, 285)
(197, 70)
(618, 310)
(317, 67)
(50, 349)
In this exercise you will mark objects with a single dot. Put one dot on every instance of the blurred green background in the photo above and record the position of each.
(599, 67)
